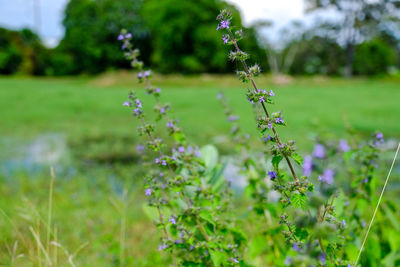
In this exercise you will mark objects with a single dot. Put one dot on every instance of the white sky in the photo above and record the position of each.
(17, 14)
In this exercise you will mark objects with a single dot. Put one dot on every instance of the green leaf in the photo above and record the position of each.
(218, 258)
(299, 200)
(297, 158)
(151, 212)
(276, 160)
(257, 246)
(209, 154)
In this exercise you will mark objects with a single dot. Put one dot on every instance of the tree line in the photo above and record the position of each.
(180, 36)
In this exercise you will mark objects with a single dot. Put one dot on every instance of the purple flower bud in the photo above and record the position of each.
(127, 104)
(157, 160)
(269, 126)
(138, 103)
(181, 149)
(162, 110)
(343, 146)
(147, 73)
(120, 37)
(162, 247)
(170, 124)
(271, 93)
(327, 176)
(272, 175)
(266, 139)
(164, 162)
(148, 192)
(319, 151)
(158, 90)
(140, 75)
(123, 46)
(279, 120)
(261, 99)
(128, 36)
(225, 39)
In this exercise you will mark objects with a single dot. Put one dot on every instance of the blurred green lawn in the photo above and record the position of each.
(83, 106)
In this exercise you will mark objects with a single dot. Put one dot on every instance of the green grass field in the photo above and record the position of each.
(90, 106)
(89, 207)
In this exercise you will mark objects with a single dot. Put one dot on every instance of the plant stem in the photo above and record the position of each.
(263, 106)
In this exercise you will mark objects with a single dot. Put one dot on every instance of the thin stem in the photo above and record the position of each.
(377, 206)
(263, 106)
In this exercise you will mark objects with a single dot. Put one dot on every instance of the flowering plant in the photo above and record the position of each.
(312, 219)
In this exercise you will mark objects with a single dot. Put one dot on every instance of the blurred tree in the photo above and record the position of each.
(91, 30)
(23, 52)
(185, 39)
(373, 57)
(357, 20)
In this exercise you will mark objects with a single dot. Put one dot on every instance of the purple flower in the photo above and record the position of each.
(288, 260)
(158, 90)
(349, 265)
(127, 104)
(137, 111)
(279, 120)
(162, 247)
(162, 110)
(261, 99)
(138, 103)
(120, 37)
(139, 148)
(344, 223)
(181, 149)
(269, 126)
(224, 25)
(197, 153)
(172, 220)
(271, 93)
(170, 124)
(219, 96)
(272, 175)
(327, 176)
(307, 165)
(379, 137)
(322, 258)
(296, 247)
(128, 36)
(157, 161)
(235, 260)
(147, 192)
(147, 73)
(319, 151)
(343, 146)
(266, 139)
(140, 75)
(233, 118)
(225, 39)
(164, 162)
(123, 46)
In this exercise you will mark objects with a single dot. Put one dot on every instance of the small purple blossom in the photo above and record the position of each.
(343, 146)
(344, 223)
(123, 46)
(269, 126)
(322, 258)
(271, 93)
(172, 220)
(140, 75)
(379, 137)
(181, 149)
(170, 124)
(158, 90)
(261, 99)
(137, 111)
(233, 118)
(220, 96)
(288, 261)
(267, 138)
(327, 176)
(319, 151)
(147, 73)
(147, 192)
(157, 160)
(162, 247)
(224, 25)
(272, 174)
(164, 162)
(128, 35)
(162, 110)
(120, 37)
(139, 148)
(138, 103)
(127, 104)
(225, 39)
(235, 260)
(307, 165)
(295, 247)
(279, 120)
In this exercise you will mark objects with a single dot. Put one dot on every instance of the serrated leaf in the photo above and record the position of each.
(297, 158)
(299, 200)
